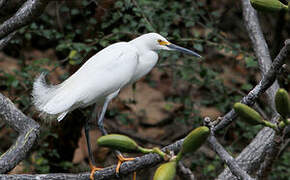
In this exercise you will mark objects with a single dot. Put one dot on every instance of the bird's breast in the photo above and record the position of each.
(145, 64)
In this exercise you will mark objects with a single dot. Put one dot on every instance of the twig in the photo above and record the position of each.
(228, 159)
(30, 10)
(27, 129)
(261, 87)
(185, 172)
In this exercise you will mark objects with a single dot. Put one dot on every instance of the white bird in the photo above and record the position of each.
(101, 77)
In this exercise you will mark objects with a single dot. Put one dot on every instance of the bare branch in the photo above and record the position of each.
(30, 10)
(260, 46)
(228, 159)
(267, 80)
(28, 131)
(5, 41)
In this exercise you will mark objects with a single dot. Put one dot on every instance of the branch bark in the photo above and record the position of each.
(253, 155)
(30, 10)
(260, 47)
(28, 131)
(228, 159)
(271, 154)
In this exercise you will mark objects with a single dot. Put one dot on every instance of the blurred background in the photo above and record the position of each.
(160, 108)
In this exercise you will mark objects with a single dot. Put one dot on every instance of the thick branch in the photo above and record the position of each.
(28, 131)
(142, 162)
(271, 154)
(228, 159)
(30, 10)
(267, 80)
(260, 47)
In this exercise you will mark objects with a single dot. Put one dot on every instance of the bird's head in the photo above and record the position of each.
(155, 41)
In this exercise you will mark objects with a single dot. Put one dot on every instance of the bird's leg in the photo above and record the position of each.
(101, 118)
(91, 158)
(121, 160)
(104, 132)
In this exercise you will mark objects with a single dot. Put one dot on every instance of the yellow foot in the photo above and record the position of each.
(134, 175)
(93, 170)
(121, 160)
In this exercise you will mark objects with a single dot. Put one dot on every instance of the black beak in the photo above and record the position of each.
(183, 50)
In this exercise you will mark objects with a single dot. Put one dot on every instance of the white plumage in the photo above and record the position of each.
(105, 73)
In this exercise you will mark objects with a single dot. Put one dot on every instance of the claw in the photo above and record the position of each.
(121, 160)
(93, 170)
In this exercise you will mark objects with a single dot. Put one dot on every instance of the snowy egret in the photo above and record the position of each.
(100, 80)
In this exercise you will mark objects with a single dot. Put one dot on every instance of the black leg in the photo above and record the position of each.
(87, 129)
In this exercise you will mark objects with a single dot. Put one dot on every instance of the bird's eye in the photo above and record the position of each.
(159, 40)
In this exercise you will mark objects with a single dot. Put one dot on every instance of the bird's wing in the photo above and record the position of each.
(101, 75)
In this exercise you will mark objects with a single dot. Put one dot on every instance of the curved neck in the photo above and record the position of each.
(140, 44)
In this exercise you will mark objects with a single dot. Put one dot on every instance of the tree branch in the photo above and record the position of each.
(142, 162)
(30, 10)
(271, 153)
(253, 155)
(28, 131)
(227, 159)
(267, 80)
(5, 41)
(260, 47)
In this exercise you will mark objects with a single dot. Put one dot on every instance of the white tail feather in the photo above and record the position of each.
(42, 93)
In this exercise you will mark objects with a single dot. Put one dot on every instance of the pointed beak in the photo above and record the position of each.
(183, 50)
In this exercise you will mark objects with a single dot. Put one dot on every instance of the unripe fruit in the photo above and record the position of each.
(248, 114)
(119, 142)
(166, 171)
(269, 5)
(282, 103)
(194, 140)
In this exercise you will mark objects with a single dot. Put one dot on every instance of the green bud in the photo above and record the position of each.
(282, 103)
(193, 140)
(119, 142)
(72, 54)
(269, 5)
(248, 114)
(166, 171)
